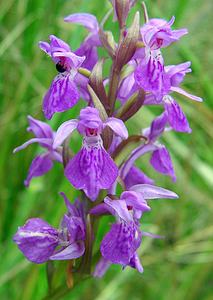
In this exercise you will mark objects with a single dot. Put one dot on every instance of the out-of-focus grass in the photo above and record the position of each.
(179, 267)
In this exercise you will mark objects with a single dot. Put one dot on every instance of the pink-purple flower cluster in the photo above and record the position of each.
(104, 164)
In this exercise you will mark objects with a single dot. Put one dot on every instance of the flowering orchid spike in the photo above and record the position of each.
(138, 76)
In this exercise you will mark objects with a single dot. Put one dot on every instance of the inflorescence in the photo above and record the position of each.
(105, 164)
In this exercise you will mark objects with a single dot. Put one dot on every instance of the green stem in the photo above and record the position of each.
(113, 87)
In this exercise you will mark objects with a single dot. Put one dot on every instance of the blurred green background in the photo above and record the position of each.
(179, 267)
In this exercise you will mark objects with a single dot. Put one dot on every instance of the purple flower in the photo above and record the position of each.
(63, 92)
(40, 242)
(157, 33)
(150, 73)
(161, 162)
(176, 116)
(92, 168)
(160, 159)
(120, 244)
(42, 163)
(136, 176)
(167, 83)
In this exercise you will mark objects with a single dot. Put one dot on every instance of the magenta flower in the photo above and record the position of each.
(92, 168)
(157, 33)
(150, 73)
(63, 92)
(120, 244)
(42, 163)
(40, 242)
(160, 158)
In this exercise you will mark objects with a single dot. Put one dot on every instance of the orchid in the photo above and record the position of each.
(41, 242)
(120, 244)
(63, 92)
(42, 163)
(104, 172)
(92, 168)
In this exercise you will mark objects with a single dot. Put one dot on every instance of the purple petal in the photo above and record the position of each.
(43, 141)
(40, 165)
(100, 209)
(150, 75)
(91, 170)
(37, 240)
(117, 126)
(127, 88)
(136, 176)
(177, 73)
(119, 209)
(75, 227)
(88, 50)
(63, 132)
(154, 236)
(161, 162)
(73, 251)
(87, 20)
(120, 243)
(157, 127)
(61, 96)
(135, 200)
(138, 152)
(57, 43)
(45, 47)
(135, 263)
(75, 60)
(70, 207)
(153, 192)
(176, 116)
(101, 267)
(40, 129)
(82, 83)
(186, 94)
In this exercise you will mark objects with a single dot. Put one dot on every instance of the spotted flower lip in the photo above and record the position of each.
(63, 92)
(42, 163)
(40, 242)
